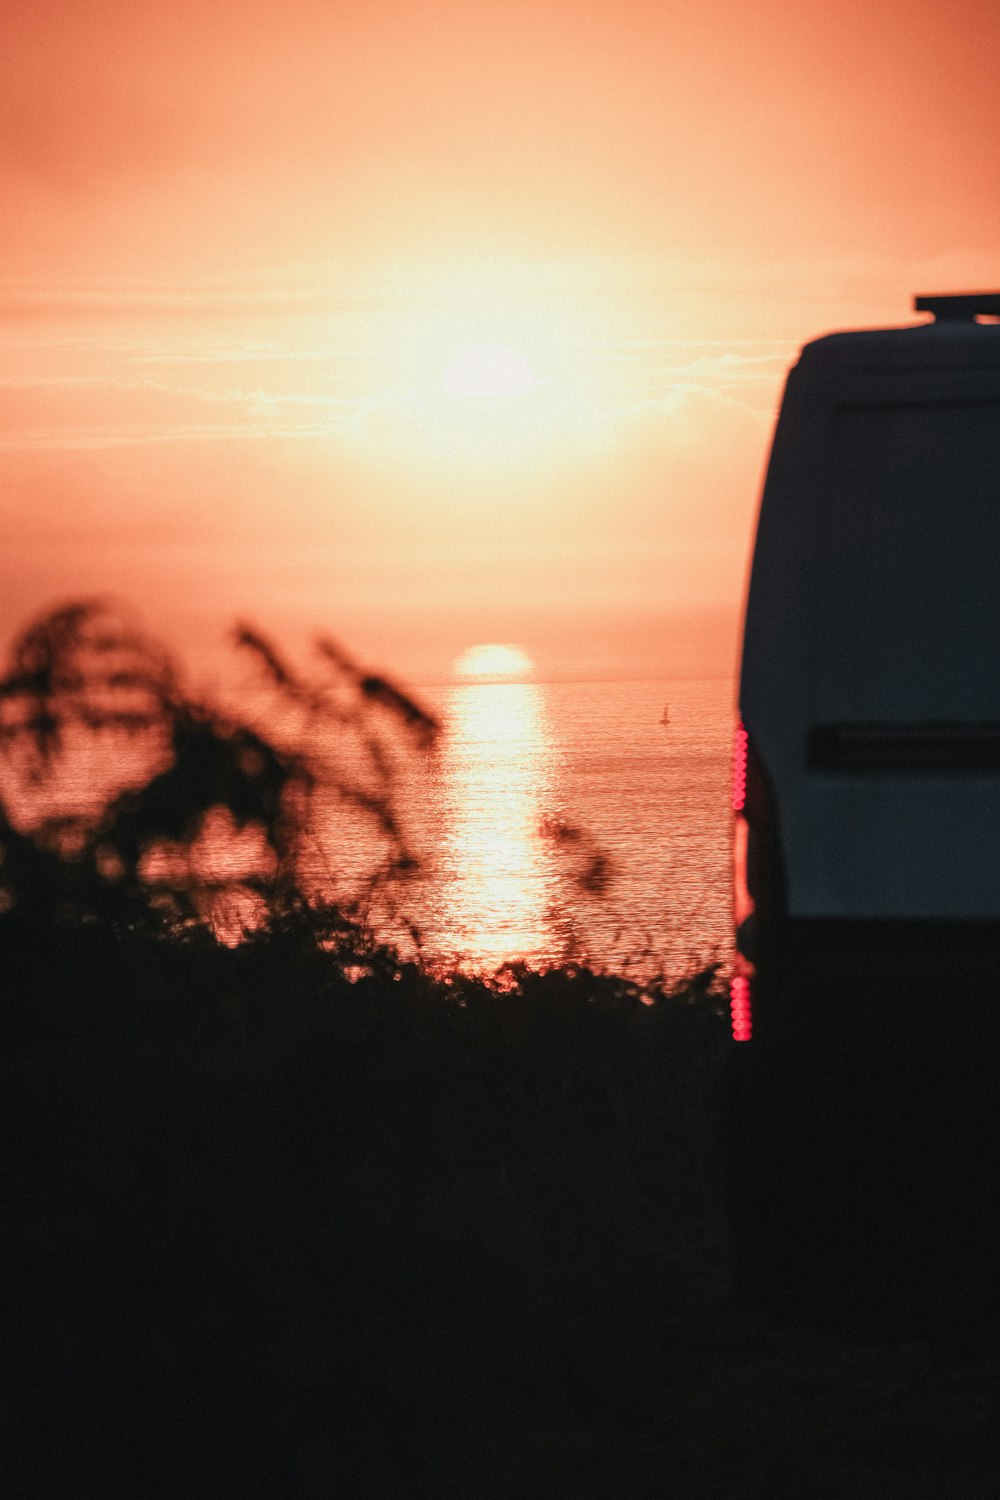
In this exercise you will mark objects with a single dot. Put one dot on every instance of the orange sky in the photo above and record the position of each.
(243, 242)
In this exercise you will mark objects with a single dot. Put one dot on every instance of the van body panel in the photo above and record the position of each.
(874, 603)
(861, 1127)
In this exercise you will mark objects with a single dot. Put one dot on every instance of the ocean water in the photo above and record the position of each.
(571, 820)
(551, 822)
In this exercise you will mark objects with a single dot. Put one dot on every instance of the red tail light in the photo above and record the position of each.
(758, 883)
(740, 769)
(743, 902)
(739, 1008)
(740, 988)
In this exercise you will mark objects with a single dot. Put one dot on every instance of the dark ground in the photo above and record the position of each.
(269, 1233)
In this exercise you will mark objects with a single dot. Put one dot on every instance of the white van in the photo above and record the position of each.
(867, 773)
(870, 687)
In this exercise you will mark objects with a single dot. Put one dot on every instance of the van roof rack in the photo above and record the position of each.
(961, 309)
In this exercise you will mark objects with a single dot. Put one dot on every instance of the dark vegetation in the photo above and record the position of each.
(294, 1216)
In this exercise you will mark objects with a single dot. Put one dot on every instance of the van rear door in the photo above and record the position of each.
(871, 682)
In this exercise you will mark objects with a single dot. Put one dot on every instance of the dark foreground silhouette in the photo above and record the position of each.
(296, 1218)
(865, 1132)
(268, 1231)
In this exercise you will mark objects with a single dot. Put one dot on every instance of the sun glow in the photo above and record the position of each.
(489, 370)
(493, 661)
(483, 370)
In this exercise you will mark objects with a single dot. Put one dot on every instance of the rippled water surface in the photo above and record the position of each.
(571, 818)
(551, 821)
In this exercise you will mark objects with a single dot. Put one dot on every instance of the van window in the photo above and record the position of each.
(908, 627)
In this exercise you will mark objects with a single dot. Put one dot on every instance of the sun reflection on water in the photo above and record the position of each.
(497, 885)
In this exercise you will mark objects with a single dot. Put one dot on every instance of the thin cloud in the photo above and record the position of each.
(24, 301)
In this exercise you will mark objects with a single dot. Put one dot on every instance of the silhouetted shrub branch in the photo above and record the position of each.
(121, 795)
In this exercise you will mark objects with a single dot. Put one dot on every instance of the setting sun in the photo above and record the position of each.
(493, 660)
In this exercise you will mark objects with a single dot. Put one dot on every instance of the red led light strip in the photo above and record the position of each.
(740, 769)
(739, 1008)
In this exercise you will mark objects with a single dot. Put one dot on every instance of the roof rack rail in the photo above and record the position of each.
(960, 309)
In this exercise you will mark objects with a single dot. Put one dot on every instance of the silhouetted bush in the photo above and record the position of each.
(295, 1217)
(270, 1228)
(124, 798)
